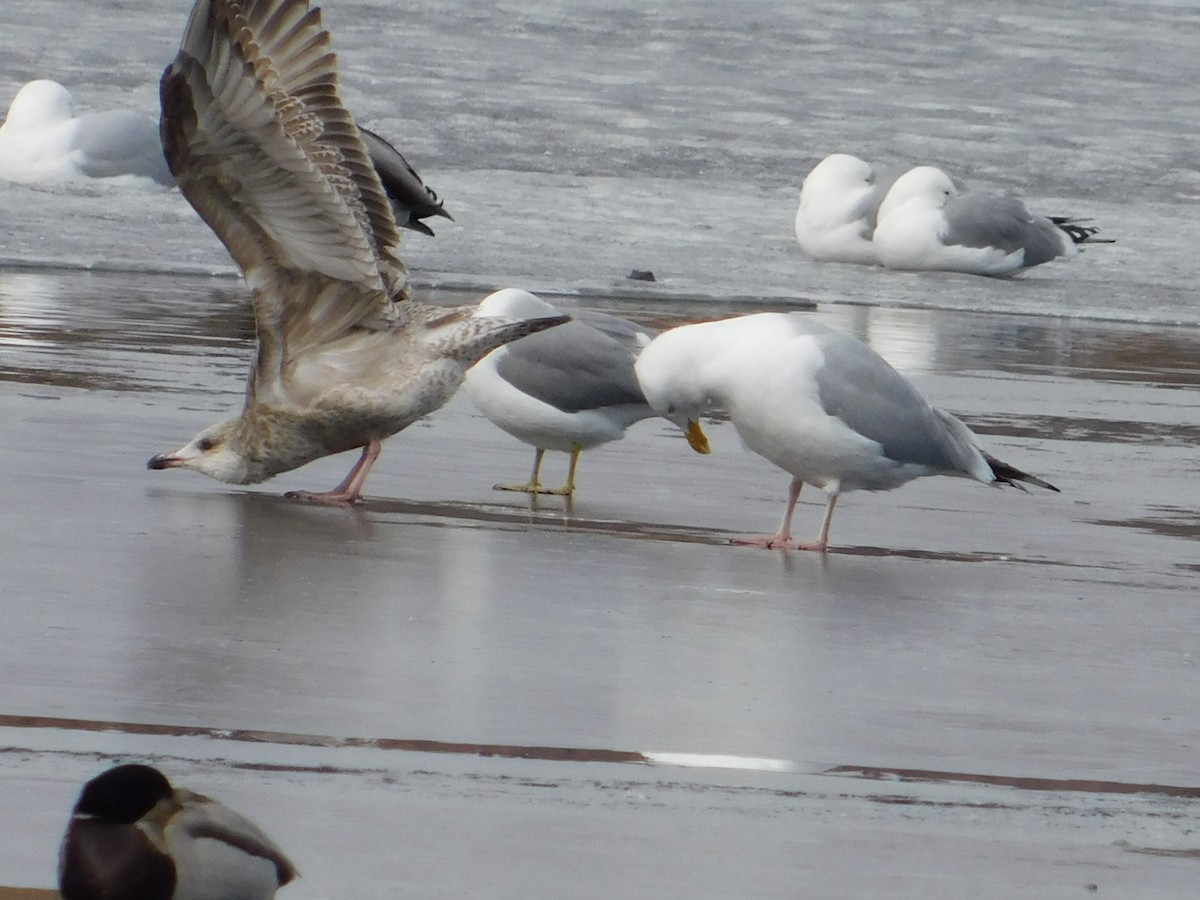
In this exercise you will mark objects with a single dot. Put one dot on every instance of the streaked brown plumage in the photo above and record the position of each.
(262, 147)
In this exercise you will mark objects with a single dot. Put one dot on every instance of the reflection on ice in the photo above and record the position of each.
(719, 761)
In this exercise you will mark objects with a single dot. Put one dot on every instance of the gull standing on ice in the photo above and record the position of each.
(45, 139)
(133, 835)
(839, 203)
(925, 223)
(569, 389)
(263, 148)
(817, 403)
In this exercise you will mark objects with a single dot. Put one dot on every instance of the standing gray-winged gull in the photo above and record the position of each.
(925, 223)
(817, 403)
(263, 148)
(134, 835)
(570, 388)
(839, 203)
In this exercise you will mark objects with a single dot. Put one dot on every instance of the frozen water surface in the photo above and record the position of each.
(574, 142)
(449, 693)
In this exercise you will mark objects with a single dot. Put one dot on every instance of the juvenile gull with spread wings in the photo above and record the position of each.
(817, 403)
(263, 148)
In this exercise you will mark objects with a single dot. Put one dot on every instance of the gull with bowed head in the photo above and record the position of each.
(45, 139)
(817, 403)
(133, 835)
(263, 148)
(926, 223)
(569, 389)
(839, 204)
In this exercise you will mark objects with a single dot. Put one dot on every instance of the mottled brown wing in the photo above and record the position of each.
(262, 147)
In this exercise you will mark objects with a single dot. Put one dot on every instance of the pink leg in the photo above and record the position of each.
(782, 539)
(822, 541)
(350, 490)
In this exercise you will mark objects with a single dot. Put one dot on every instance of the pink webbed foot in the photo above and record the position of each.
(349, 491)
(780, 542)
(325, 498)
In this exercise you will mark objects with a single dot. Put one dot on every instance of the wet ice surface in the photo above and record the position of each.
(965, 633)
(574, 142)
(390, 664)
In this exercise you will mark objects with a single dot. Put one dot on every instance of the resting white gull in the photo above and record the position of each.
(817, 403)
(839, 202)
(132, 834)
(263, 148)
(570, 388)
(925, 223)
(45, 139)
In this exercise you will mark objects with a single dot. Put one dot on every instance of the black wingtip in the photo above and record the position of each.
(1077, 232)
(1011, 475)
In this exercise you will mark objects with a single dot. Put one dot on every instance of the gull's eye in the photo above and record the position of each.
(205, 444)
(670, 409)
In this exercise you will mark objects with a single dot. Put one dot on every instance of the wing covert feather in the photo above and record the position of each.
(263, 148)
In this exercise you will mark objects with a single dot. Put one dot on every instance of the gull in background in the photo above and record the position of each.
(817, 403)
(45, 139)
(926, 223)
(134, 835)
(263, 148)
(839, 204)
(569, 389)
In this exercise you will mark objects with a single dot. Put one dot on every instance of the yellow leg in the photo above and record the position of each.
(533, 486)
(568, 489)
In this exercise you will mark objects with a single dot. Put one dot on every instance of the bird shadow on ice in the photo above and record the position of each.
(450, 513)
(251, 512)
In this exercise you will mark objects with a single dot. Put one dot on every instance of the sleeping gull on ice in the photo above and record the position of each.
(925, 223)
(262, 147)
(839, 202)
(570, 388)
(132, 834)
(819, 404)
(44, 139)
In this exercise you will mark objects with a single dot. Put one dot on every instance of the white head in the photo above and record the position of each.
(666, 371)
(38, 104)
(928, 184)
(213, 452)
(514, 303)
(838, 172)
